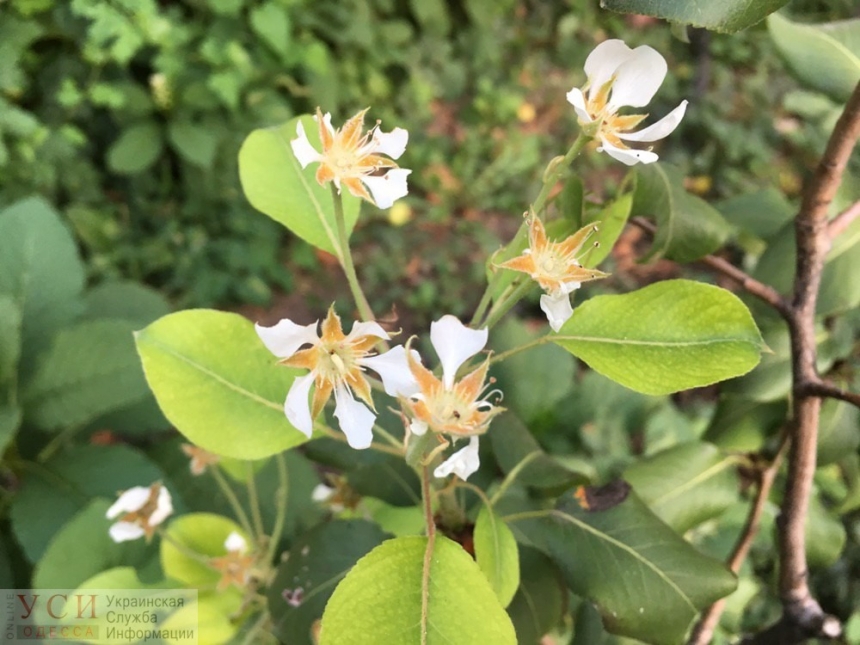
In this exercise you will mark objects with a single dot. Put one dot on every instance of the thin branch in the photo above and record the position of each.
(704, 629)
(841, 222)
(829, 391)
(752, 286)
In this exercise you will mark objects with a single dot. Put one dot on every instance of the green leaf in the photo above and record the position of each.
(41, 271)
(200, 533)
(10, 343)
(126, 300)
(838, 431)
(763, 213)
(272, 23)
(276, 185)
(688, 228)
(306, 580)
(380, 599)
(742, 425)
(10, 421)
(515, 447)
(686, 485)
(496, 554)
(612, 218)
(90, 369)
(540, 601)
(136, 149)
(83, 548)
(825, 57)
(218, 384)
(717, 15)
(53, 492)
(197, 144)
(669, 336)
(825, 535)
(647, 582)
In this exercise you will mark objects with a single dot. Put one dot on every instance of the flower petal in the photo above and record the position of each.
(662, 128)
(163, 507)
(393, 368)
(297, 408)
(125, 531)
(570, 287)
(418, 428)
(603, 61)
(302, 148)
(557, 309)
(391, 143)
(371, 328)
(462, 463)
(455, 344)
(356, 421)
(235, 543)
(387, 188)
(286, 337)
(628, 156)
(130, 501)
(577, 99)
(638, 78)
(321, 492)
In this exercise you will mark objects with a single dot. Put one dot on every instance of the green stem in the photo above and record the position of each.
(253, 634)
(482, 306)
(512, 476)
(504, 306)
(232, 499)
(339, 436)
(54, 444)
(254, 500)
(516, 350)
(346, 258)
(382, 432)
(281, 497)
(428, 553)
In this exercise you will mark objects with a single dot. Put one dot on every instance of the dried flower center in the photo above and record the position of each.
(337, 361)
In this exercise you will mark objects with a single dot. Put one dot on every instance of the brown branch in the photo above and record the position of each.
(802, 616)
(827, 390)
(842, 221)
(752, 286)
(704, 629)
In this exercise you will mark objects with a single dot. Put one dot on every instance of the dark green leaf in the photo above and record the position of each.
(742, 424)
(838, 431)
(196, 143)
(126, 300)
(136, 149)
(718, 15)
(540, 601)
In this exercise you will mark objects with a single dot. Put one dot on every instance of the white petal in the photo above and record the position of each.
(391, 143)
(388, 188)
(462, 463)
(163, 508)
(638, 78)
(125, 531)
(576, 98)
(367, 329)
(396, 376)
(235, 543)
(628, 156)
(130, 501)
(321, 493)
(455, 344)
(663, 128)
(570, 287)
(418, 428)
(557, 309)
(285, 338)
(603, 61)
(356, 421)
(327, 122)
(297, 407)
(302, 148)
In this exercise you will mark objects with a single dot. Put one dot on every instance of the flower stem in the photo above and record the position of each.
(232, 499)
(346, 258)
(281, 496)
(506, 304)
(516, 350)
(428, 552)
(254, 500)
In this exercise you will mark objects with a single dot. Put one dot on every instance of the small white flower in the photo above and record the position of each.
(141, 510)
(235, 543)
(236, 565)
(337, 362)
(353, 159)
(462, 463)
(617, 77)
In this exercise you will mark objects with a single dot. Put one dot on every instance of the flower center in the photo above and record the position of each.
(336, 362)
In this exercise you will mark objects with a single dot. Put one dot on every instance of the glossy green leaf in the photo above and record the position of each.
(541, 599)
(54, 492)
(41, 271)
(136, 149)
(688, 228)
(276, 185)
(686, 485)
(496, 554)
(825, 56)
(612, 219)
(669, 336)
(90, 369)
(380, 599)
(647, 582)
(218, 384)
(718, 15)
(317, 562)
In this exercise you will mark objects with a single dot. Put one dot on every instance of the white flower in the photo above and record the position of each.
(617, 77)
(354, 160)
(462, 463)
(142, 509)
(337, 362)
(236, 565)
(235, 543)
